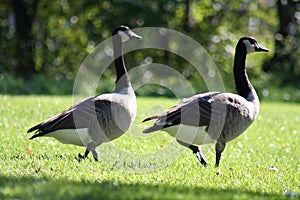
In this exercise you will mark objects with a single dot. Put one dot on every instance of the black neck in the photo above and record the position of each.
(242, 83)
(122, 80)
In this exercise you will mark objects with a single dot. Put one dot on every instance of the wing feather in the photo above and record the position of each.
(193, 111)
(76, 117)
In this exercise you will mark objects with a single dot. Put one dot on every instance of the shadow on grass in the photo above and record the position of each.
(46, 188)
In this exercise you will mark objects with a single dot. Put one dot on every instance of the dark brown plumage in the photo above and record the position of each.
(97, 119)
(214, 117)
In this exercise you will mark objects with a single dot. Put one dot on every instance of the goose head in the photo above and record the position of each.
(125, 33)
(249, 45)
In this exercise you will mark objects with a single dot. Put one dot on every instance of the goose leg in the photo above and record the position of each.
(95, 155)
(82, 157)
(196, 151)
(220, 146)
(90, 148)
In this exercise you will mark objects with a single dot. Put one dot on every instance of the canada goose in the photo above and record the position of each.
(101, 118)
(222, 116)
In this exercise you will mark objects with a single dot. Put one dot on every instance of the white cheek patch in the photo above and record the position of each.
(250, 47)
(123, 36)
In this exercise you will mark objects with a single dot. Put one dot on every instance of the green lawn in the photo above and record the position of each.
(263, 163)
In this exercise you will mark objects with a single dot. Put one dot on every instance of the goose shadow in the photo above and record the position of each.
(12, 187)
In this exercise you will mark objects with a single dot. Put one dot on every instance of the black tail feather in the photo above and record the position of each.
(39, 131)
(149, 118)
(35, 128)
(34, 136)
(155, 127)
(152, 129)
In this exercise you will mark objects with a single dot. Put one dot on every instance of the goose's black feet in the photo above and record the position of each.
(82, 157)
(218, 157)
(86, 153)
(220, 146)
(95, 155)
(196, 151)
(201, 159)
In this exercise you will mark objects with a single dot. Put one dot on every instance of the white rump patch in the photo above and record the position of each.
(79, 137)
(190, 134)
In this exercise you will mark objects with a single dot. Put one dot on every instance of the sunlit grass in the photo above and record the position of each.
(261, 163)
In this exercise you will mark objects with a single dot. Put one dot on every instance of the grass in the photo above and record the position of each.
(263, 163)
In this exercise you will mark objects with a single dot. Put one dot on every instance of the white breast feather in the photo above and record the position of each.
(78, 137)
(190, 134)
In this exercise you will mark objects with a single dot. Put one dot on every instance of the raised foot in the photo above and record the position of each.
(201, 159)
(204, 163)
(196, 151)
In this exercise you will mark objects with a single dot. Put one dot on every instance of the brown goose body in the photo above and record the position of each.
(222, 115)
(97, 119)
(214, 117)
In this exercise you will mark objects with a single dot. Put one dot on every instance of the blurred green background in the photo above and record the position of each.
(43, 43)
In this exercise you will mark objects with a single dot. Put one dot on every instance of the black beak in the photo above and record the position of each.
(259, 47)
(134, 35)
